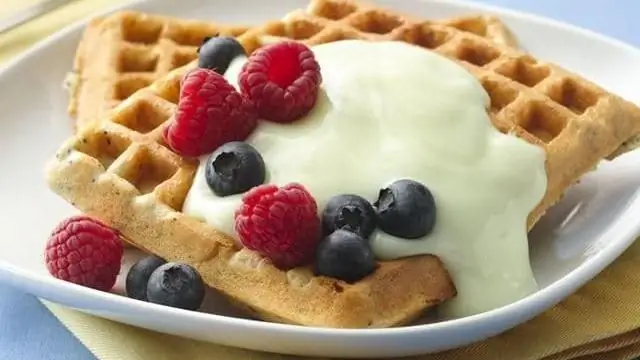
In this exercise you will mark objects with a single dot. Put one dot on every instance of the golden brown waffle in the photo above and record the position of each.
(119, 170)
(126, 51)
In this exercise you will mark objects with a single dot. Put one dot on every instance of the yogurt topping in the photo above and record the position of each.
(391, 110)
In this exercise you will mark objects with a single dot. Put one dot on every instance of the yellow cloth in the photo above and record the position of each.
(601, 321)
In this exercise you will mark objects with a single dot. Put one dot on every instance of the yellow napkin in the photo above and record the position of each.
(601, 321)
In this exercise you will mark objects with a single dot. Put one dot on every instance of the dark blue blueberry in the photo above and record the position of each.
(234, 168)
(216, 53)
(344, 255)
(138, 276)
(176, 285)
(349, 212)
(406, 209)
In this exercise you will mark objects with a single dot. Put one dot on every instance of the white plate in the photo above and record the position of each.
(594, 224)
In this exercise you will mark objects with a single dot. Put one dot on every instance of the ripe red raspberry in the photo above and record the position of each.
(280, 223)
(84, 251)
(282, 80)
(210, 113)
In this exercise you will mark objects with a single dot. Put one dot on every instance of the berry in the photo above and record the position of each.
(344, 255)
(279, 223)
(406, 209)
(234, 168)
(84, 251)
(282, 79)
(138, 276)
(210, 113)
(176, 285)
(216, 53)
(349, 212)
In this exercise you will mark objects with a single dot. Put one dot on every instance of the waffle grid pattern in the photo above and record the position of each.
(127, 51)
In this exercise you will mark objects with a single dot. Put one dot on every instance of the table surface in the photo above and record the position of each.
(29, 331)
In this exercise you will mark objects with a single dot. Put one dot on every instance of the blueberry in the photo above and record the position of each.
(216, 53)
(406, 209)
(176, 285)
(234, 168)
(349, 212)
(138, 276)
(344, 255)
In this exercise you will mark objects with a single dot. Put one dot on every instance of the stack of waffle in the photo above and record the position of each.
(117, 167)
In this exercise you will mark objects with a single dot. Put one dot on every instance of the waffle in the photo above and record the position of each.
(127, 51)
(119, 170)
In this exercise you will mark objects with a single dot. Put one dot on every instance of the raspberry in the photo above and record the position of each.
(84, 251)
(282, 80)
(280, 223)
(210, 113)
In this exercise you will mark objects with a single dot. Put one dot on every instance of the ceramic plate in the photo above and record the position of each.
(595, 222)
